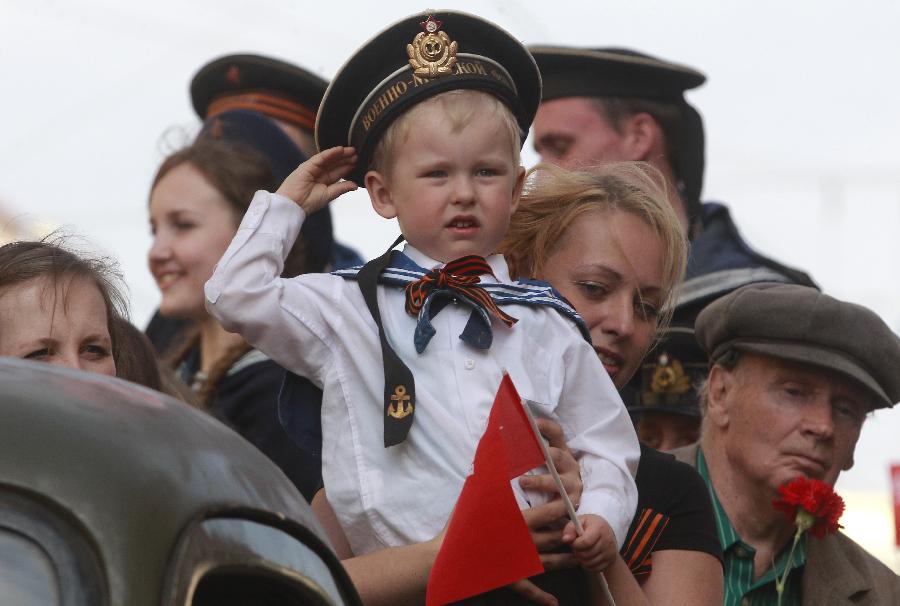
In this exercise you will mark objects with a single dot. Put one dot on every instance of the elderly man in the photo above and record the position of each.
(794, 373)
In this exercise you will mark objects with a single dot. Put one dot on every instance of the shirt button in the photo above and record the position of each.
(745, 602)
(470, 364)
(741, 552)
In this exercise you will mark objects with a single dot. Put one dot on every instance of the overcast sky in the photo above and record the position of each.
(800, 111)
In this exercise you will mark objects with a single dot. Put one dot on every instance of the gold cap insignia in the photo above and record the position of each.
(669, 377)
(400, 405)
(432, 54)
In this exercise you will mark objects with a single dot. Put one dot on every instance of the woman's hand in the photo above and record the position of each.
(566, 465)
(317, 181)
(545, 538)
(541, 520)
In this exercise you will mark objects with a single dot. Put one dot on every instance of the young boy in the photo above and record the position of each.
(429, 115)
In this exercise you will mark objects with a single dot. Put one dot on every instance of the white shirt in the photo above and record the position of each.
(318, 326)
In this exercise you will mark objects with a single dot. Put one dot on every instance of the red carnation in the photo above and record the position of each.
(811, 505)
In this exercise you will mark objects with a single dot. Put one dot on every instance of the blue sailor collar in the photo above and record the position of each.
(402, 270)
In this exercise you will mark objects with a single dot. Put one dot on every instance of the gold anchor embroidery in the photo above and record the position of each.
(669, 377)
(432, 54)
(400, 405)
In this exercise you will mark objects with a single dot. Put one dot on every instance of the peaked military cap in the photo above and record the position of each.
(611, 72)
(239, 97)
(801, 324)
(619, 72)
(416, 58)
(669, 377)
(252, 82)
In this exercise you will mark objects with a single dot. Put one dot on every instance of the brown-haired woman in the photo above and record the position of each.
(58, 307)
(67, 308)
(197, 200)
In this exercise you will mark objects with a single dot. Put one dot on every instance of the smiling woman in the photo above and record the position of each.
(198, 197)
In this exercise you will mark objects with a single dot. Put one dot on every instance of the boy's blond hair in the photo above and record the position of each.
(458, 106)
(554, 198)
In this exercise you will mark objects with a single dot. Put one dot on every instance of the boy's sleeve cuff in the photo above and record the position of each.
(268, 212)
(608, 507)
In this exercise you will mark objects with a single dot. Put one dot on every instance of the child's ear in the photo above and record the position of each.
(517, 190)
(380, 194)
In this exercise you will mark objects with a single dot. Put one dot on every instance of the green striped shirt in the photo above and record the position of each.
(740, 588)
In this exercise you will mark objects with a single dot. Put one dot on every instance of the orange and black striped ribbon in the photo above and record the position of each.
(265, 103)
(642, 540)
(462, 277)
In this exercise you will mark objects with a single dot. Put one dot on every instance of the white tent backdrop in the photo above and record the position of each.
(799, 108)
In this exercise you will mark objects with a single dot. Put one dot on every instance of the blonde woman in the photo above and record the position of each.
(608, 240)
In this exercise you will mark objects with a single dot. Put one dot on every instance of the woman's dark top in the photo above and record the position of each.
(674, 511)
(246, 399)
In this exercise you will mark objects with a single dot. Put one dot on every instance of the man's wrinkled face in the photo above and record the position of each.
(779, 419)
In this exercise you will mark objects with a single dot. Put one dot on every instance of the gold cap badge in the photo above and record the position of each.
(432, 54)
(669, 377)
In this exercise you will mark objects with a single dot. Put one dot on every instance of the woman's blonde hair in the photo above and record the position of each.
(554, 198)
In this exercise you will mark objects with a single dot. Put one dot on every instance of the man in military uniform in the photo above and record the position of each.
(618, 105)
(237, 92)
(794, 374)
(269, 105)
(662, 399)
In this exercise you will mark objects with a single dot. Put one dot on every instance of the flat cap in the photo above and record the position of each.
(625, 73)
(800, 324)
(253, 82)
(418, 57)
(669, 377)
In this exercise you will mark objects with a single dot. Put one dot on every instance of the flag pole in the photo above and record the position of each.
(570, 507)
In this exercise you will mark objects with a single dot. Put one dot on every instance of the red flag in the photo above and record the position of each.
(488, 544)
(895, 485)
(523, 451)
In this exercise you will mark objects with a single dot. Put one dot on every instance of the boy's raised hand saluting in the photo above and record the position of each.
(317, 181)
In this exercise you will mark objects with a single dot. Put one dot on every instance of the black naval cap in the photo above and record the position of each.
(252, 82)
(669, 379)
(416, 58)
(240, 96)
(800, 324)
(611, 72)
(624, 73)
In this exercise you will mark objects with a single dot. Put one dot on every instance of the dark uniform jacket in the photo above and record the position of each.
(722, 261)
(837, 571)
